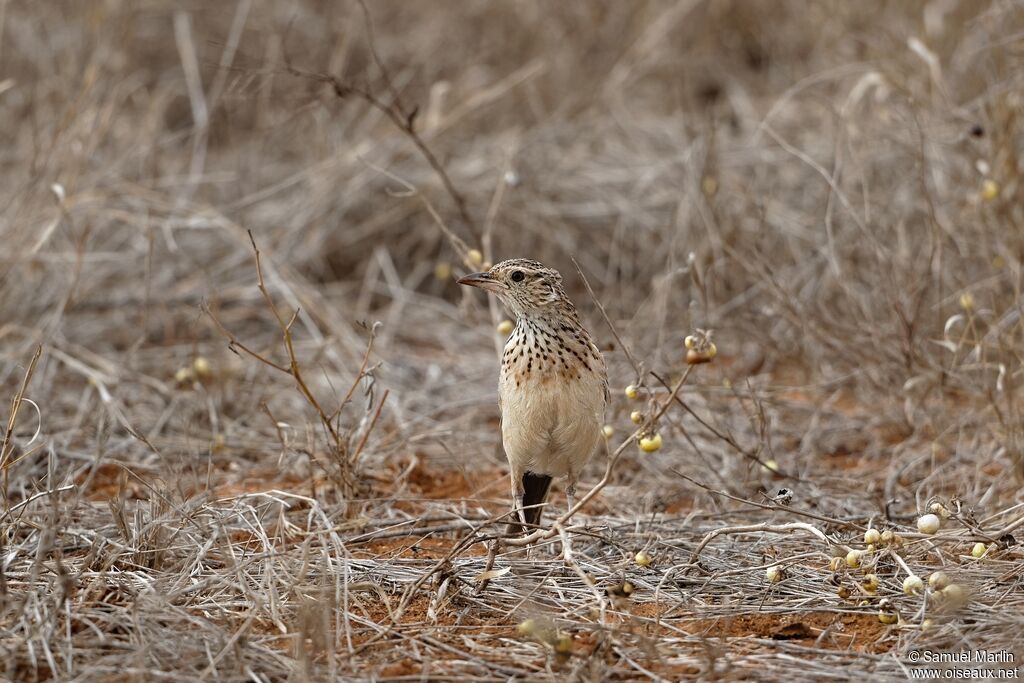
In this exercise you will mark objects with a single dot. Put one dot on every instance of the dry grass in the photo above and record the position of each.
(834, 188)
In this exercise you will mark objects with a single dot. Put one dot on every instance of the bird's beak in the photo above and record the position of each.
(481, 280)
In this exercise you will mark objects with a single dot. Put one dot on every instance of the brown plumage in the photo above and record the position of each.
(553, 384)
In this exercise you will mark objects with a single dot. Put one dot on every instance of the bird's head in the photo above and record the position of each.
(527, 288)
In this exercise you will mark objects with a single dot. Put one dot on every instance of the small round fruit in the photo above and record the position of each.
(853, 558)
(939, 509)
(954, 593)
(202, 368)
(563, 645)
(835, 563)
(872, 536)
(649, 444)
(608, 431)
(526, 627)
(870, 583)
(938, 580)
(886, 613)
(770, 466)
(690, 342)
(475, 258)
(773, 574)
(632, 391)
(642, 559)
(184, 376)
(979, 550)
(989, 189)
(442, 271)
(928, 524)
(636, 417)
(505, 328)
(695, 357)
(913, 584)
(709, 185)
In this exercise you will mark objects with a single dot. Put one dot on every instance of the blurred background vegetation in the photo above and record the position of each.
(833, 187)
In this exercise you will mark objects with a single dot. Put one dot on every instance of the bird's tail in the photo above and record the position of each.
(535, 492)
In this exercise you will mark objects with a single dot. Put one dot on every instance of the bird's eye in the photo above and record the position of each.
(518, 276)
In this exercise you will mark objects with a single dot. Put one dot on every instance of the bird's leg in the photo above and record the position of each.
(518, 491)
(570, 491)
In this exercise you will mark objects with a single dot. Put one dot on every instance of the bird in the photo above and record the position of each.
(552, 386)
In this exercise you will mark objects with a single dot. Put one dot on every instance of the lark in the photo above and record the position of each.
(553, 384)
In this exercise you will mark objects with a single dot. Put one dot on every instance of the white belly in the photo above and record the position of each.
(550, 424)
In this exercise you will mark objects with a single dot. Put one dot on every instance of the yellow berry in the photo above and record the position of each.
(608, 431)
(938, 580)
(632, 391)
(690, 342)
(475, 258)
(886, 613)
(649, 444)
(912, 585)
(486, 265)
(442, 271)
(636, 417)
(872, 536)
(695, 357)
(989, 189)
(505, 328)
(712, 350)
(709, 185)
(979, 549)
(853, 558)
(773, 574)
(526, 627)
(184, 376)
(564, 644)
(890, 537)
(835, 563)
(201, 366)
(870, 583)
(928, 524)
(643, 559)
(967, 301)
(770, 466)
(887, 617)
(954, 593)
